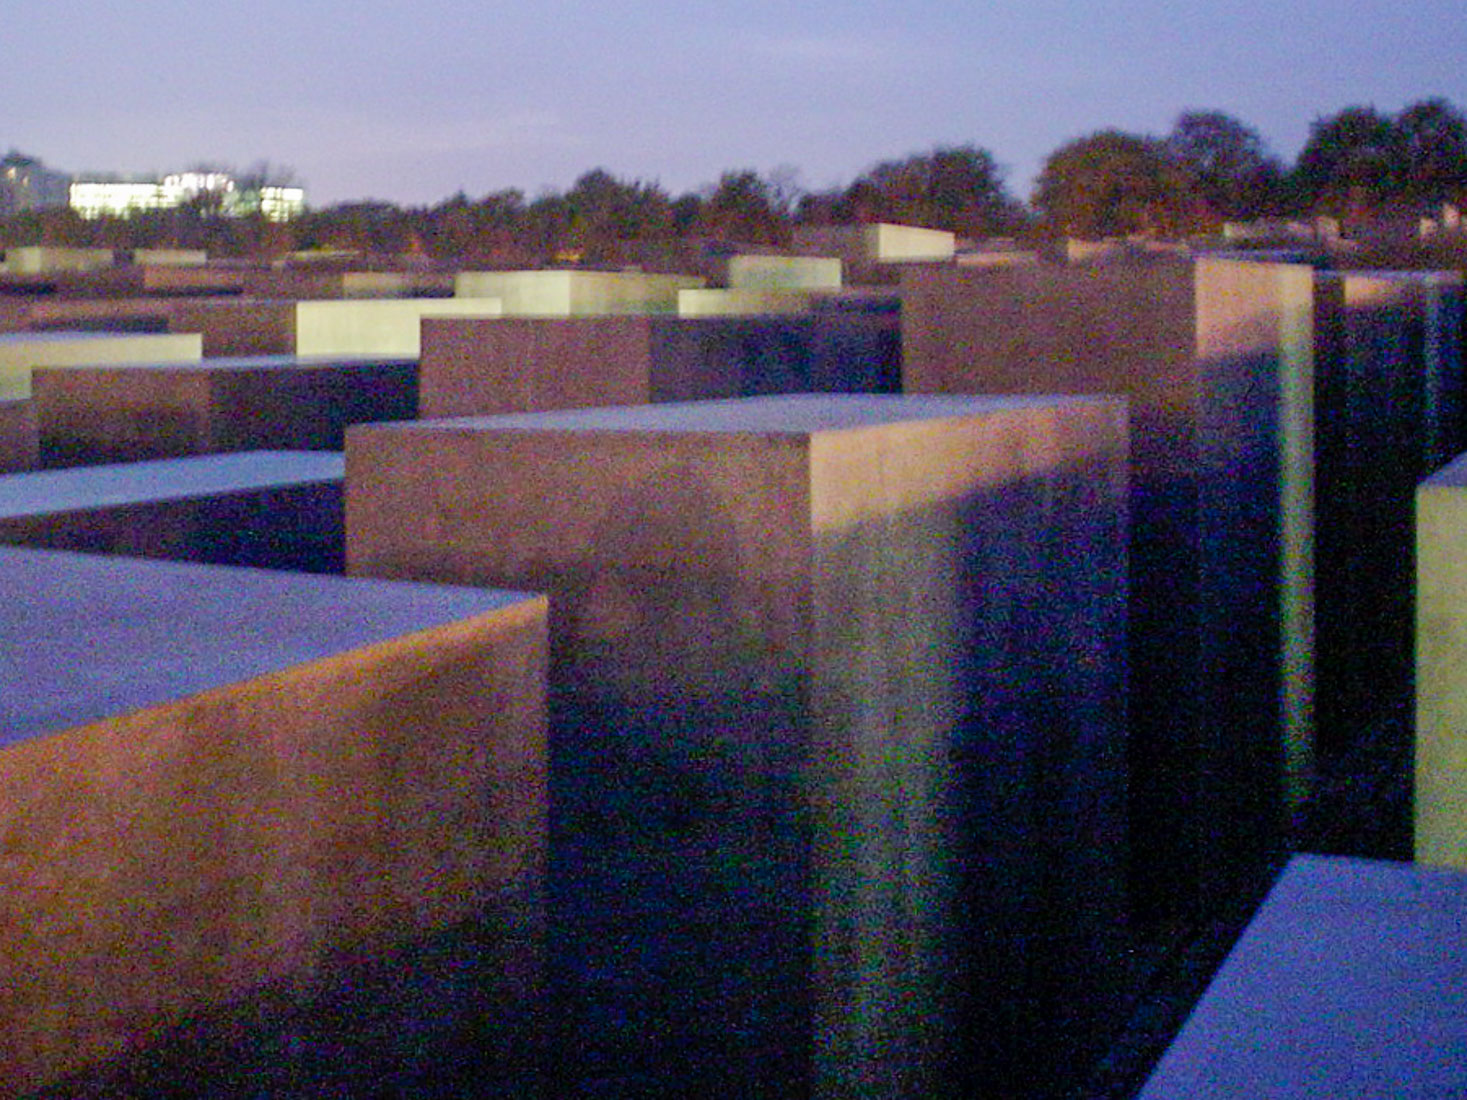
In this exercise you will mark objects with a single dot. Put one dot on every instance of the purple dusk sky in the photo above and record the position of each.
(413, 102)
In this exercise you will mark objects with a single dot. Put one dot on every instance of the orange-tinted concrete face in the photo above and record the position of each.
(18, 438)
(509, 365)
(1216, 360)
(773, 622)
(184, 824)
(237, 326)
(512, 365)
(1127, 330)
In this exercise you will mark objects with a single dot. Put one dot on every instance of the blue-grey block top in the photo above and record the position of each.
(797, 414)
(1351, 981)
(87, 638)
(88, 488)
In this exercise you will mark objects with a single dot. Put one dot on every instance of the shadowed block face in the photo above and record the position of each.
(268, 509)
(1216, 359)
(212, 780)
(99, 414)
(519, 364)
(805, 652)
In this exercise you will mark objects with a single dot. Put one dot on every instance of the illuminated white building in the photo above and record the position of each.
(123, 198)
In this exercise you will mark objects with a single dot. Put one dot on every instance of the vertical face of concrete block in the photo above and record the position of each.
(1216, 359)
(376, 327)
(1441, 655)
(267, 509)
(232, 328)
(740, 302)
(751, 272)
(214, 780)
(806, 655)
(38, 259)
(18, 437)
(1255, 348)
(575, 293)
(907, 244)
(20, 353)
(1374, 391)
(518, 364)
(91, 416)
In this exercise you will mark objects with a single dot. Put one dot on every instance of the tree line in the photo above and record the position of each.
(1208, 169)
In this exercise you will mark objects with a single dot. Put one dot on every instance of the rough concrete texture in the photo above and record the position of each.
(740, 303)
(18, 436)
(1441, 688)
(45, 259)
(531, 365)
(22, 352)
(102, 414)
(379, 326)
(829, 674)
(237, 326)
(214, 781)
(1390, 394)
(269, 509)
(575, 293)
(754, 272)
(1349, 981)
(1216, 361)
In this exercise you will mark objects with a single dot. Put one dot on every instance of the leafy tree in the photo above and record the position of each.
(1431, 152)
(957, 188)
(1113, 183)
(1349, 163)
(1225, 164)
(743, 207)
(603, 210)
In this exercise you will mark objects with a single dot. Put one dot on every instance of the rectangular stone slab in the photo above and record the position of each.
(1389, 389)
(269, 509)
(516, 364)
(215, 780)
(830, 674)
(18, 436)
(1440, 795)
(22, 352)
(1350, 981)
(376, 326)
(1216, 360)
(575, 293)
(102, 414)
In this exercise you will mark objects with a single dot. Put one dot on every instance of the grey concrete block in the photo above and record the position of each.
(97, 415)
(532, 365)
(1350, 981)
(830, 675)
(215, 781)
(1216, 359)
(18, 437)
(268, 509)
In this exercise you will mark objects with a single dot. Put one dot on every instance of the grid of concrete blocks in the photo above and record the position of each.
(777, 688)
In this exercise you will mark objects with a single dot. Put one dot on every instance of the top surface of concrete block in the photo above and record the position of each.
(45, 492)
(86, 638)
(1453, 476)
(268, 363)
(784, 415)
(1350, 981)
